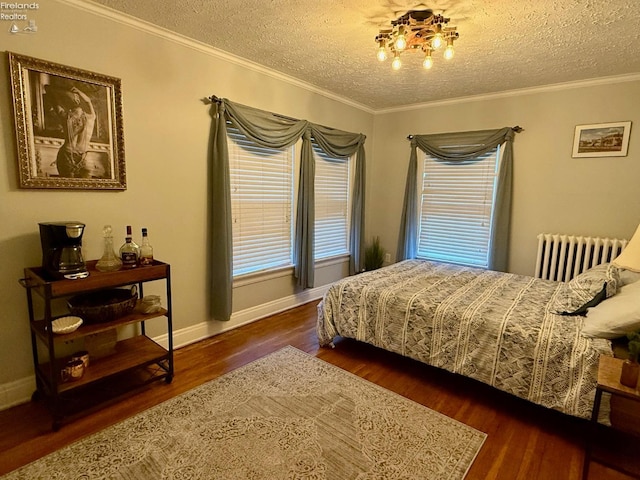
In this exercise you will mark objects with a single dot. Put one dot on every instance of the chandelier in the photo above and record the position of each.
(416, 30)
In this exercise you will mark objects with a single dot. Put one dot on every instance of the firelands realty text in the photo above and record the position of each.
(14, 9)
(19, 6)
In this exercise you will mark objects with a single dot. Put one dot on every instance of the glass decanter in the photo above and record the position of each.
(110, 262)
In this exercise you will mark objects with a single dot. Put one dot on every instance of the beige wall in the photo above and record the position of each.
(552, 192)
(166, 127)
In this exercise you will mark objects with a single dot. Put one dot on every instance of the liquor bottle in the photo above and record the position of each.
(146, 250)
(129, 251)
(109, 262)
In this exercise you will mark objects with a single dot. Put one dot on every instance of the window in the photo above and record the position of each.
(332, 197)
(263, 189)
(261, 181)
(456, 209)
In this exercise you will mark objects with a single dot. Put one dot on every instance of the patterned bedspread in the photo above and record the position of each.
(491, 326)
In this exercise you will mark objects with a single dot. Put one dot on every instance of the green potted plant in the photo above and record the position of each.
(374, 255)
(631, 367)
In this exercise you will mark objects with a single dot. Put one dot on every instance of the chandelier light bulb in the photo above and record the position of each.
(401, 41)
(396, 64)
(382, 54)
(428, 61)
(448, 52)
(437, 41)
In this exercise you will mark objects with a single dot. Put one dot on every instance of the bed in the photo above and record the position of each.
(520, 334)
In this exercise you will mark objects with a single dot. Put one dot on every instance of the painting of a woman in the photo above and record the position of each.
(68, 126)
(77, 117)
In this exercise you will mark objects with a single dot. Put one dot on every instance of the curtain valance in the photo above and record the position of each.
(264, 128)
(463, 145)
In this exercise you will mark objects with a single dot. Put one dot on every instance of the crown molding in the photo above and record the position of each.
(124, 19)
(633, 77)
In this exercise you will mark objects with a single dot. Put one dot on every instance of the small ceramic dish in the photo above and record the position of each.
(66, 324)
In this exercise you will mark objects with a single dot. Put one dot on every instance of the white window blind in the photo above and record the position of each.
(332, 196)
(456, 209)
(261, 204)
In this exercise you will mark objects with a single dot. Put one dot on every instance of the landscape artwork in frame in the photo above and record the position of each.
(602, 140)
(68, 126)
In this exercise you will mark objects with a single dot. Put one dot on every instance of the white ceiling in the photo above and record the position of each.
(504, 44)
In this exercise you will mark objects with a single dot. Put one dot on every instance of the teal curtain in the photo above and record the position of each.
(305, 219)
(472, 145)
(275, 131)
(408, 239)
(356, 237)
(221, 266)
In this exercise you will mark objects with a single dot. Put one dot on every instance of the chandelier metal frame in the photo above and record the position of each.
(417, 30)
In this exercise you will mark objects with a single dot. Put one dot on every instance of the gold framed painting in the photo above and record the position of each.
(68, 126)
(602, 140)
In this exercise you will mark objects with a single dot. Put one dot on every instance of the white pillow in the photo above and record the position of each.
(616, 316)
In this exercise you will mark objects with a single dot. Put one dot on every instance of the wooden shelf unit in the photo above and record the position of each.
(139, 358)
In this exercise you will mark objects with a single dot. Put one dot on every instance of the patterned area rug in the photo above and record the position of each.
(285, 416)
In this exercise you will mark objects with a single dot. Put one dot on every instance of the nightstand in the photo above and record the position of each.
(609, 369)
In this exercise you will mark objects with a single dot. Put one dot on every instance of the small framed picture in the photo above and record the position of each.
(68, 126)
(602, 140)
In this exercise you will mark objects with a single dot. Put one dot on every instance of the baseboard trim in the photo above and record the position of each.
(203, 330)
(20, 391)
(17, 392)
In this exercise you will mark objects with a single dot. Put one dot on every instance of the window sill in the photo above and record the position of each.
(258, 277)
(327, 262)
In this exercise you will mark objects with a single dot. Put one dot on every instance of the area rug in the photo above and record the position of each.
(287, 415)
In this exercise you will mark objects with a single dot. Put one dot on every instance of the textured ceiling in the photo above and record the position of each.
(503, 45)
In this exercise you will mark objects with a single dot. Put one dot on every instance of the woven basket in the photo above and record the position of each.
(103, 305)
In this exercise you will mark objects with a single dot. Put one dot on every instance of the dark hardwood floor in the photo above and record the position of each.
(524, 441)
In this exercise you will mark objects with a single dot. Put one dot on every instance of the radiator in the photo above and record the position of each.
(562, 257)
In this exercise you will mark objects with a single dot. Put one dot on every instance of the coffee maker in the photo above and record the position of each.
(62, 249)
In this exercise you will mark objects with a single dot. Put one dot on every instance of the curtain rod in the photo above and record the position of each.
(516, 129)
